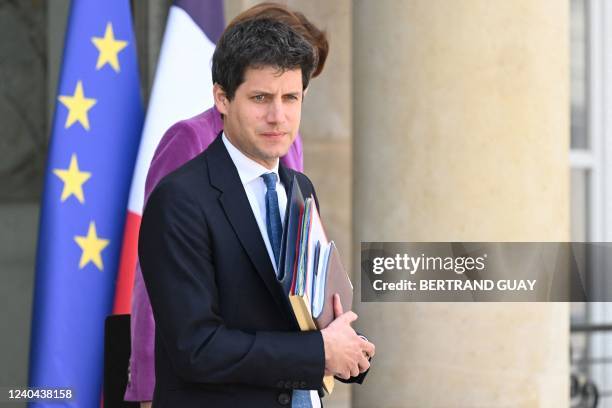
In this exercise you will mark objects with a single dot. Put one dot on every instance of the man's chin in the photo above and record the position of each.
(274, 156)
(275, 152)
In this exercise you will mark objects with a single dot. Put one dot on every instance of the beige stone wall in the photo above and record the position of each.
(461, 132)
(467, 109)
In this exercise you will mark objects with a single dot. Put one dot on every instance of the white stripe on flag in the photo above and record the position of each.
(182, 89)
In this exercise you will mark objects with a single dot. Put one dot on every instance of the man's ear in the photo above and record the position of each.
(221, 100)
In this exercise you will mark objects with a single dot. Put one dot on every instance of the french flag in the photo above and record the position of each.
(182, 89)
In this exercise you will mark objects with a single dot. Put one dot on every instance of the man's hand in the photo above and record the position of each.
(346, 354)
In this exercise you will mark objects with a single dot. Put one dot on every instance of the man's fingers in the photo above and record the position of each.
(354, 370)
(345, 375)
(368, 348)
(337, 306)
(349, 316)
(364, 364)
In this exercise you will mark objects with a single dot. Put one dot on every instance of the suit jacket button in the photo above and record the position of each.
(284, 398)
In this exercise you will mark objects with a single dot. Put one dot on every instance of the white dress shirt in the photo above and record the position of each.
(250, 173)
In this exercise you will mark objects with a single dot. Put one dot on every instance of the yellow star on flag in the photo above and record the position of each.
(92, 247)
(78, 106)
(73, 180)
(108, 47)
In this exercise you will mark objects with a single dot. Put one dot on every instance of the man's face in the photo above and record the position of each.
(263, 118)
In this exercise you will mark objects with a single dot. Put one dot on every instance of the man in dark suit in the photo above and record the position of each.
(209, 246)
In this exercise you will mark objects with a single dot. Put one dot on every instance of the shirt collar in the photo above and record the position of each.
(248, 169)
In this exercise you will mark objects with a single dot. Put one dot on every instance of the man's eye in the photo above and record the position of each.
(259, 98)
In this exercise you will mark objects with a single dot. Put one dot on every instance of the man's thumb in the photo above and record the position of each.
(337, 306)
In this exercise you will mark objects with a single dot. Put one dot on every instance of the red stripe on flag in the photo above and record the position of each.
(127, 265)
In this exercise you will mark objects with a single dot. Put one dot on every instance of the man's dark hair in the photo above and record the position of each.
(256, 44)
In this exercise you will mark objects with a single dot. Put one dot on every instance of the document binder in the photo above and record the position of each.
(336, 281)
(310, 270)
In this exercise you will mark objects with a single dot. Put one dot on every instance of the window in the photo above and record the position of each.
(591, 177)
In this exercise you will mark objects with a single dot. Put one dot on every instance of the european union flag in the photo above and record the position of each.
(96, 131)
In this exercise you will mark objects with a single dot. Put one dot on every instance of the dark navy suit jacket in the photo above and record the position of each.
(225, 333)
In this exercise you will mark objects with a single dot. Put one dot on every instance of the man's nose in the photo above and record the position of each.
(275, 112)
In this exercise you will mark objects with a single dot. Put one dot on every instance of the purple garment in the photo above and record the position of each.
(181, 143)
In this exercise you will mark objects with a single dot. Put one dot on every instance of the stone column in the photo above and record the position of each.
(461, 133)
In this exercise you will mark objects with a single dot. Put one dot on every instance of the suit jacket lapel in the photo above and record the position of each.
(234, 201)
(285, 178)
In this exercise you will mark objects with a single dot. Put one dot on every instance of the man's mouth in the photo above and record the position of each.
(273, 134)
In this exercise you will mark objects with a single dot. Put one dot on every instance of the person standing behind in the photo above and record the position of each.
(181, 143)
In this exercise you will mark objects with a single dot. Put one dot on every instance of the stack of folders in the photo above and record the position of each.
(310, 267)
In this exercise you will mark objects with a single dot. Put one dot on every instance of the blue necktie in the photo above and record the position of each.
(273, 220)
(301, 398)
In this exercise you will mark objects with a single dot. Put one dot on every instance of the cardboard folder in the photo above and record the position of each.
(336, 281)
(299, 304)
